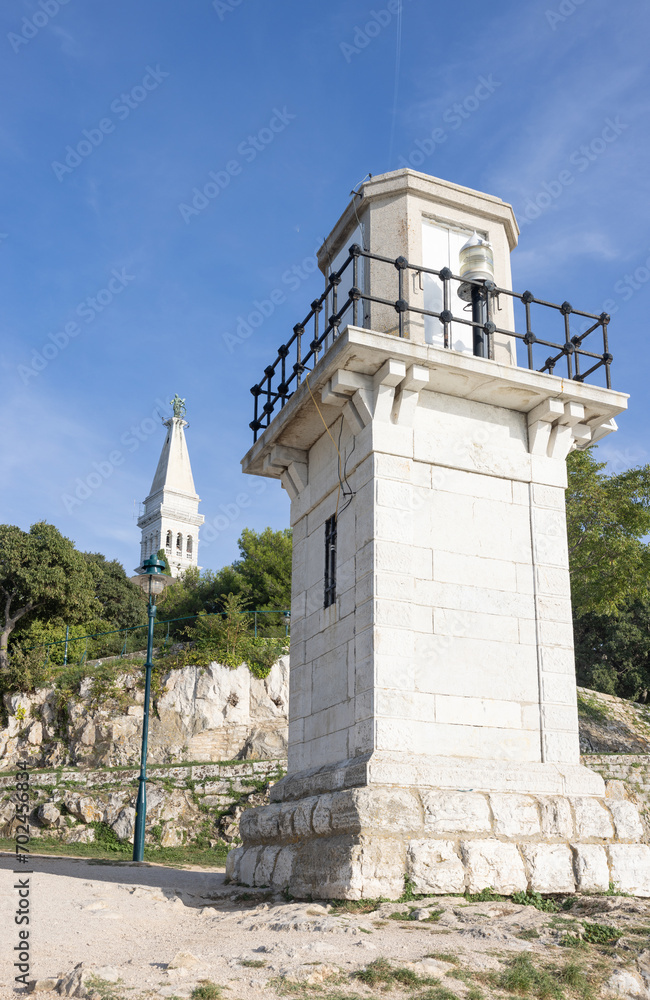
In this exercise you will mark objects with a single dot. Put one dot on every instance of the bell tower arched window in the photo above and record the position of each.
(179, 544)
(188, 549)
(168, 543)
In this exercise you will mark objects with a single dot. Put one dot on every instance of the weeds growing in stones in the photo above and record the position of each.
(206, 990)
(543, 903)
(382, 973)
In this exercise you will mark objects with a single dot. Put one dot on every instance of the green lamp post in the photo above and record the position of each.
(152, 582)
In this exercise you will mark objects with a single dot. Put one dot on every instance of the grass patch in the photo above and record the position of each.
(522, 977)
(355, 906)
(104, 989)
(382, 973)
(592, 709)
(442, 993)
(530, 934)
(444, 956)
(105, 850)
(252, 963)
(206, 991)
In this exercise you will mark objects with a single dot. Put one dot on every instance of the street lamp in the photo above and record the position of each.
(152, 582)
(477, 264)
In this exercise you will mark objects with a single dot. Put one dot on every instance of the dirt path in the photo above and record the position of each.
(129, 921)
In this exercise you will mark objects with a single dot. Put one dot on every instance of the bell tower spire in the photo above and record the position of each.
(171, 518)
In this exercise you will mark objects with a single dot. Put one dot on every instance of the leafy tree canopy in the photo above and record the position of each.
(41, 575)
(607, 519)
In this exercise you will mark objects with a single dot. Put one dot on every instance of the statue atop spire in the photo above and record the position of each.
(178, 406)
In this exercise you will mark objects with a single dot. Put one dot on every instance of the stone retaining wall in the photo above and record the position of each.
(185, 803)
(633, 769)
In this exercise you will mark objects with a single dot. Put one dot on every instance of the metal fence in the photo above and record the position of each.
(283, 376)
(123, 641)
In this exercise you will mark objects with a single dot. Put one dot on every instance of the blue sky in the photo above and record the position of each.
(135, 296)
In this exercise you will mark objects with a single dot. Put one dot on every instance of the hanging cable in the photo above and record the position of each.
(342, 488)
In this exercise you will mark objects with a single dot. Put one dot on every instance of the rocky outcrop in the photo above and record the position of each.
(201, 714)
(185, 803)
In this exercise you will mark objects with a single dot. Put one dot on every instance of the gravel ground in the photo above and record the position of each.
(128, 922)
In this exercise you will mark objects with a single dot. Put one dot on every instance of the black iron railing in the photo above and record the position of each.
(324, 320)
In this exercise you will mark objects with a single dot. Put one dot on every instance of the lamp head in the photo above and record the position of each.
(477, 259)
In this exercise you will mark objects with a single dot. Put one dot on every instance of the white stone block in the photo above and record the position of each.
(248, 864)
(558, 689)
(557, 609)
(477, 711)
(393, 586)
(548, 496)
(525, 578)
(474, 571)
(232, 864)
(435, 867)
(627, 823)
(550, 867)
(405, 705)
(265, 865)
(302, 816)
(473, 625)
(592, 819)
(456, 812)
(558, 660)
(283, 867)
(399, 496)
(552, 581)
(556, 817)
(493, 864)
(630, 867)
(560, 718)
(396, 557)
(590, 867)
(561, 748)
(555, 634)
(515, 815)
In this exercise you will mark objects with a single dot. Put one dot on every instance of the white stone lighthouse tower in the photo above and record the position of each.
(420, 418)
(171, 518)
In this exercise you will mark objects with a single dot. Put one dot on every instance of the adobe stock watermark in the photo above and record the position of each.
(121, 107)
(566, 9)
(32, 25)
(249, 149)
(88, 310)
(363, 35)
(102, 471)
(225, 7)
(455, 116)
(581, 158)
(229, 513)
(291, 279)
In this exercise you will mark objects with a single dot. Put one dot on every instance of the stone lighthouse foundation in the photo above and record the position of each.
(433, 726)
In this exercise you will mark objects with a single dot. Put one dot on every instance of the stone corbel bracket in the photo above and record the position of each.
(556, 427)
(290, 466)
(390, 395)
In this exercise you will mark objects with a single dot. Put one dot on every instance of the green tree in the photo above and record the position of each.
(121, 601)
(265, 568)
(613, 651)
(41, 575)
(607, 519)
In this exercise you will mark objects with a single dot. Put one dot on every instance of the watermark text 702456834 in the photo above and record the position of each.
(22, 914)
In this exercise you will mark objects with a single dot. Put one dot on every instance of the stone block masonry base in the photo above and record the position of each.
(361, 843)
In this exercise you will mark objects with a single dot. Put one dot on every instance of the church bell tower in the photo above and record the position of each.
(171, 518)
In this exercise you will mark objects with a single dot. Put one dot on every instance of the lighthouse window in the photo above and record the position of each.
(189, 545)
(179, 544)
(168, 543)
(330, 561)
